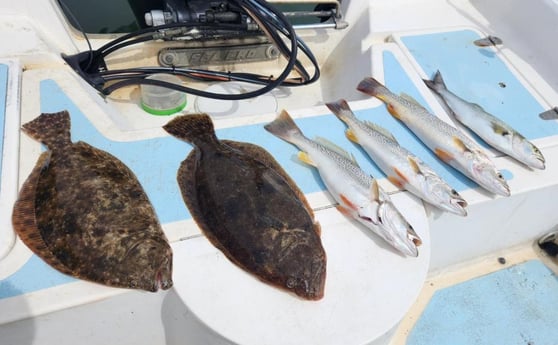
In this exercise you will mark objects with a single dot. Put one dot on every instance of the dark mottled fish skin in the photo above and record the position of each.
(250, 209)
(84, 212)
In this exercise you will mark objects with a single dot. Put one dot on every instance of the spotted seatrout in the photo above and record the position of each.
(402, 168)
(357, 193)
(446, 141)
(491, 129)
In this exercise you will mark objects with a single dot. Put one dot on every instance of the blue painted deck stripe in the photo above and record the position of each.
(480, 76)
(3, 94)
(514, 306)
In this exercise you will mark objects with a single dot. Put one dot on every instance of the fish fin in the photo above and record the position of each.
(375, 190)
(348, 202)
(304, 157)
(380, 130)
(284, 127)
(414, 164)
(341, 109)
(500, 130)
(391, 109)
(51, 129)
(398, 183)
(372, 87)
(334, 147)
(401, 175)
(345, 211)
(460, 144)
(24, 217)
(350, 134)
(195, 128)
(444, 155)
(437, 83)
(409, 98)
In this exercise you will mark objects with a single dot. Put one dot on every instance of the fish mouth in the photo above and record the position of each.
(457, 206)
(163, 277)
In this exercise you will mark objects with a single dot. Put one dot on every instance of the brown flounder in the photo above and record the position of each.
(84, 212)
(250, 209)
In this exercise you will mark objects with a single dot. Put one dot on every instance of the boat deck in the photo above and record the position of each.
(478, 279)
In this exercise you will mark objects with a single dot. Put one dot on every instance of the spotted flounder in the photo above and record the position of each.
(250, 209)
(83, 212)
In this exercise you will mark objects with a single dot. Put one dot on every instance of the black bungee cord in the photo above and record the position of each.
(91, 66)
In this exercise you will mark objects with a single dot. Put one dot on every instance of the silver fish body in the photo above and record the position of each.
(446, 141)
(357, 193)
(491, 129)
(402, 168)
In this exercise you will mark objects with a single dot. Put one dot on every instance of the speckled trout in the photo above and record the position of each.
(446, 141)
(358, 194)
(491, 129)
(401, 167)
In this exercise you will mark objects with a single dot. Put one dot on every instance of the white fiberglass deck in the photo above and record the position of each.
(423, 36)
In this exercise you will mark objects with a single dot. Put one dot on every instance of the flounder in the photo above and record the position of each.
(84, 212)
(250, 209)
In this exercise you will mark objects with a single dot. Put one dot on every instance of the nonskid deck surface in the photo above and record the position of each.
(512, 306)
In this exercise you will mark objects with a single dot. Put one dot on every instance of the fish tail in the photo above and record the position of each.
(437, 84)
(372, 87)
(285, 128)
(195, 128)
(51, 129)
(341, 109)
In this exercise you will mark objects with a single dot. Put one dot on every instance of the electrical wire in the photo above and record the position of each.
(270, 21)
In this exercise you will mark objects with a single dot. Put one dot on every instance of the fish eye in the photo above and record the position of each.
(500, 176)
(453, 192)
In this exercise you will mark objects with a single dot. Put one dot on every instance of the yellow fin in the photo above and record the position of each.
(351, 136)
(460, 144)
(392, 111)
(375, 190)
(304, 157)
(414, 165)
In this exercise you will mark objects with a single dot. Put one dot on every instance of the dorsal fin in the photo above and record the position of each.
(409, 98)
(386, 133)
(336, 148)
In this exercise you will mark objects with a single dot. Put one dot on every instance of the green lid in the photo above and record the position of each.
(163, 112)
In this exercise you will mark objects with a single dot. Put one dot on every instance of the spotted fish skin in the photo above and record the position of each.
(491, 129)
(250, 209)
(84, 212)
(446, 141)
(357, 193)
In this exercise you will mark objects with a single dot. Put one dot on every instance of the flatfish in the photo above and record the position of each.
(250, 209)
(83, 212)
